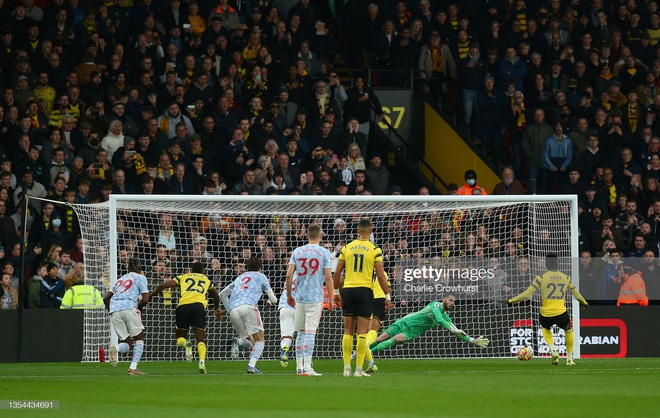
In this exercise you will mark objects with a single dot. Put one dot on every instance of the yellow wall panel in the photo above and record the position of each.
(450, 156)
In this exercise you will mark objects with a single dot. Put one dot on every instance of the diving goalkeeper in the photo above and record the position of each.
(415, 324)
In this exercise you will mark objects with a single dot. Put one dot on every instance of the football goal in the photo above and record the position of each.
(481, 249)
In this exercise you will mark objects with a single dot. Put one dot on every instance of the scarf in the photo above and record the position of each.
(632, 118)
(322, 103)
(436, 55)
(463, 50)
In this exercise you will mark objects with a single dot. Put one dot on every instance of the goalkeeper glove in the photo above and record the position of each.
(481, 341)
(585, 305)
(457, 332)
(505, 302)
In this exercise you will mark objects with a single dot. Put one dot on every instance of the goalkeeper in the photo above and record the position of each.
(415, 324)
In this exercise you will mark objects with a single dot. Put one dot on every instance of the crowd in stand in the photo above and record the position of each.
(193, 98)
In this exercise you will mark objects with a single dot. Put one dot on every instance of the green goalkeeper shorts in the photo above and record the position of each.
(408, 329)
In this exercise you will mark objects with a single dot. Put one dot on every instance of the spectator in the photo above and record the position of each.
(66, 268)
(572, 184)
(516, 114)
(52, 288)
(57, 166)
(361, 99)
(114, 139)
(651, 274)
(509, 184)
(470, 184)
(168, 121)
(377, 176)
(248, 184)
(490, 104)
(34, 287)
(180, 183)
(8, 293)
(629, 222)
(633, 289)
(592, 158)
(436, 65)
(472, 70)
(512, 69)
(55, 142)
(534, 138)
(557, 157)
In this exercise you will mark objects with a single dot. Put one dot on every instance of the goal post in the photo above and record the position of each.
(480, 248)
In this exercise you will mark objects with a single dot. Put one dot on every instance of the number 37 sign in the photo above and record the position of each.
(396, 110)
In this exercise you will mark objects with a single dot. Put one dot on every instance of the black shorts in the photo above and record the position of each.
(191, 315)
(563, 321)
(379, 309)
(358, 301)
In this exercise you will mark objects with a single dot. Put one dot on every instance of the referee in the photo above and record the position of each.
(359, 260)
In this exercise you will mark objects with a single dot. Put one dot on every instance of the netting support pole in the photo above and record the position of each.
(21, 276)
(113, 256)
(575, 254)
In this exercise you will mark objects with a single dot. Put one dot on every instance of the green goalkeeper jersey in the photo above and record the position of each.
(432, 315)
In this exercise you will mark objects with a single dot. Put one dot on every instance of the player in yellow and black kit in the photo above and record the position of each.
(190, 312)
(553, 285)
(382, 304)
(359, 260)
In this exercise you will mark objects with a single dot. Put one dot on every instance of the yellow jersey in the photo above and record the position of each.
(378, 291)
(359, 257)
(194, 288)
(553, 286)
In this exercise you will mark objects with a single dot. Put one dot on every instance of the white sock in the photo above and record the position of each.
(123, 348)
(308, 349)
(244, 344)
(256, 353)
(286, 342)
(300, 341)
(137, 353)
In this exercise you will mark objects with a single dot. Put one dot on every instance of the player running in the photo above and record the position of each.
(240, 300)
(553, 285)
(311, 266)
(415, 324)
(122, 302)
(361, 259)
(191, 311)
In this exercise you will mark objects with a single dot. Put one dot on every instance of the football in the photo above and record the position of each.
(525, 354)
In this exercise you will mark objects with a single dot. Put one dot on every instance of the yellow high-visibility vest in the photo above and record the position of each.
(82, 296)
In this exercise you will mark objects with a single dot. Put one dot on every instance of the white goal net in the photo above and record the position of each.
(480, 248)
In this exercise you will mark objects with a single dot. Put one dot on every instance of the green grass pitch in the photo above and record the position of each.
(402, 388)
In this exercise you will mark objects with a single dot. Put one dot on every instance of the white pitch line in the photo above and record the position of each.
(572, 370)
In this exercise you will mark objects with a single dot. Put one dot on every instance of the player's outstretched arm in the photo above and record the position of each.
(577, 295)
(338, 270)
(165, 285)
(224, 296)
(289, 284)
(523, 296)
(271, 297)
(329, 286)
(480, 341)
(457, 332)
(143, 301)
(382, 278)
(216, 303)
(106, 300)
